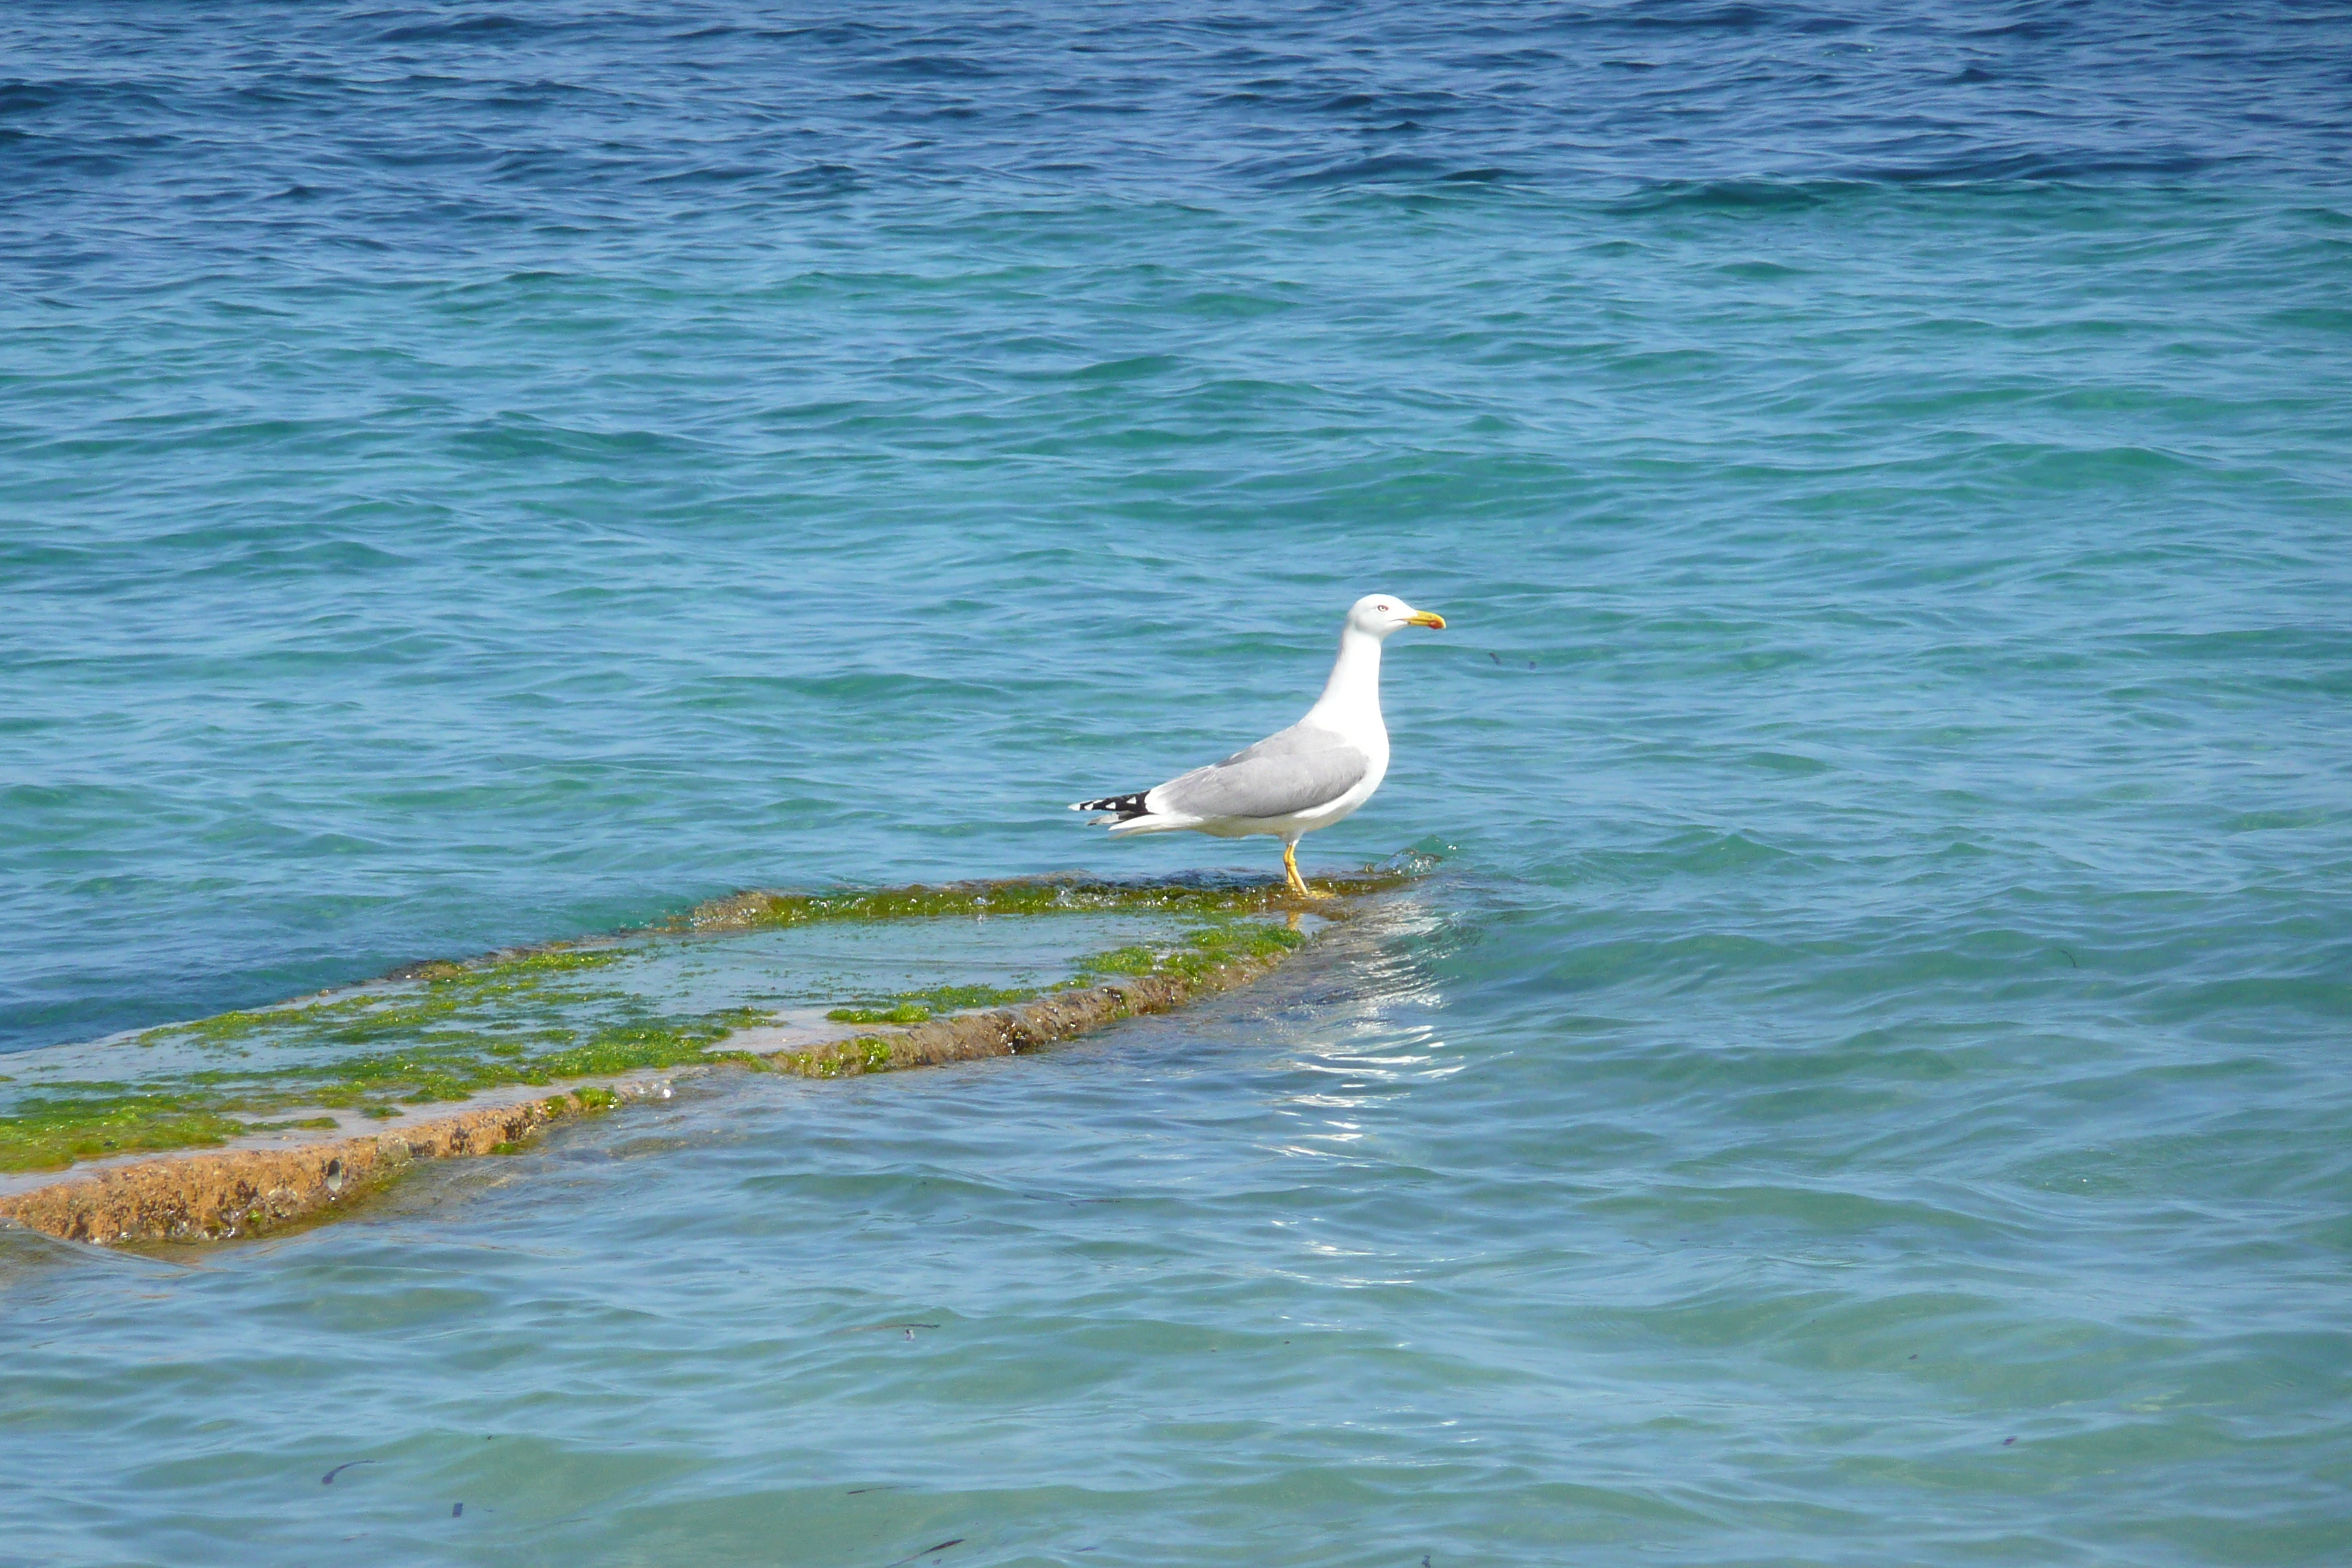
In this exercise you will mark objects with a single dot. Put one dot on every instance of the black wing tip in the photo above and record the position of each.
(1122, 805)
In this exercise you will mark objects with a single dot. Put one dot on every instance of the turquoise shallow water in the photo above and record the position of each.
(473, 478)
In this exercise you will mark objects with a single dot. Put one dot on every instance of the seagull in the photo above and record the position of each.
(1297, 780)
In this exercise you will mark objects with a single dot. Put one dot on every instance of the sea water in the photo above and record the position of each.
(1866, 1084)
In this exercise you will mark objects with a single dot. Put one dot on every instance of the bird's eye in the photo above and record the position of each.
(1384, 609)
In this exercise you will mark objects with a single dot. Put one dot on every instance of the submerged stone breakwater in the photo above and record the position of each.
(1218, 936)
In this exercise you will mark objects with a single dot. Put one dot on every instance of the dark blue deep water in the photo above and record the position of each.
(1870, 1083)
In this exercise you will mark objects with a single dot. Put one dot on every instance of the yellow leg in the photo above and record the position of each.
(1290, 868)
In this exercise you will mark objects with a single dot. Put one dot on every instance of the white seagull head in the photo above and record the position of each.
(1378, 615)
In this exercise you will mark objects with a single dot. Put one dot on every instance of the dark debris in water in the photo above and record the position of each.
(927, 1551)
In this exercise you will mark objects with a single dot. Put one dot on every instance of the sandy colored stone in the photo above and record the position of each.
(213, 1197)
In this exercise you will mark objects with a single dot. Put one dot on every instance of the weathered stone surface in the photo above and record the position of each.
(213, 1197)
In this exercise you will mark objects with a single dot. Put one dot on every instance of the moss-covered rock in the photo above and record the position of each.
(442, 1031)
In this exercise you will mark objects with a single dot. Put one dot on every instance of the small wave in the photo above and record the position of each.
(2033, 167)
(2025, 169)
(1396, 168)
(1683, 19)
(1733, 196)
(30, 97)
(1137, 367)
(484, 26)
(936, 67)
(2031, 27)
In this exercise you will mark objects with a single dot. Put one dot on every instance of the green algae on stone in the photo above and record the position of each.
(1208, 946)
(442, 1031)
(1196, 951)
(49, 1134)
(901, 1013)
(916, 1006)
(93, 1120)
(761, 909)
(1198, 948)
(1131, 960)
(430, 997)
(866, 1054)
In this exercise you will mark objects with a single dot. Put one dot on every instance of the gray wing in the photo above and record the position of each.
(1297, 770)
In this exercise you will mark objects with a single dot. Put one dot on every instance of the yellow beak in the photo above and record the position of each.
(1429, 618)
